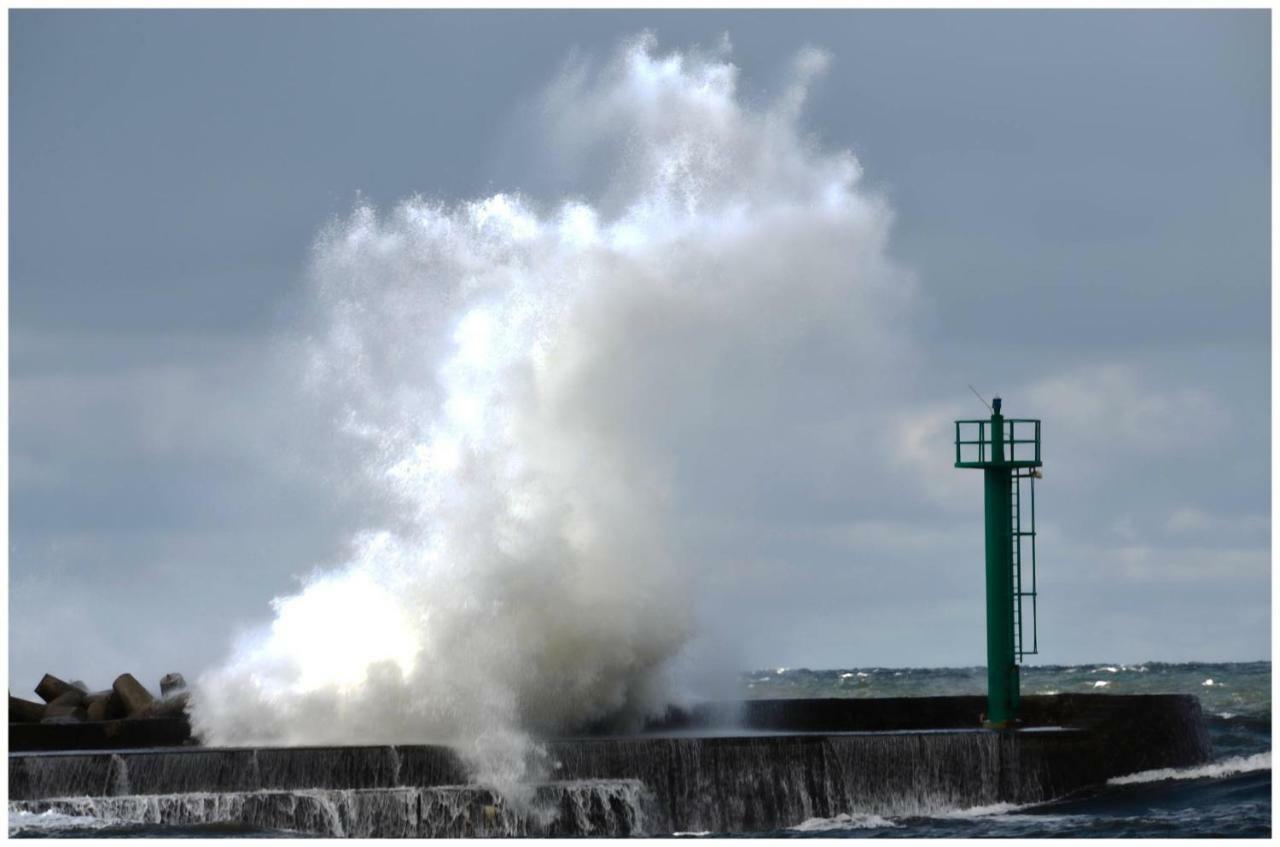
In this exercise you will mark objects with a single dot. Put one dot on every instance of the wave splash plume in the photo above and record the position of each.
(524, 380)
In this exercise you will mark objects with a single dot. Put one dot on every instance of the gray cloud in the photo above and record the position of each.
(1081, 199)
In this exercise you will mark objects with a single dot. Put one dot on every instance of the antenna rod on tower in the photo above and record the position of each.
(980, 400)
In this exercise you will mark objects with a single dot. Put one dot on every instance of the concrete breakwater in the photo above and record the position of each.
(752, 767)
(555, 809)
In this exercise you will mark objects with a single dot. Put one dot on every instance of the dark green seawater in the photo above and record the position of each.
(1230, 797)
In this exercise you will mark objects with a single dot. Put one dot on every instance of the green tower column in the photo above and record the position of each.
(1002, 670)
(982, 444)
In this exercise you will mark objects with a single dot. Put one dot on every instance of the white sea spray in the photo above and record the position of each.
(523, 377)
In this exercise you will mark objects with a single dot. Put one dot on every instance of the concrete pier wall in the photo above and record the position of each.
(777, 764)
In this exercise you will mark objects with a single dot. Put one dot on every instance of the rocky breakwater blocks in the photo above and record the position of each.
(126, 715)
(135, 697)
(172, 683)
(103, 706)
(68, 706)
(50, 688)
(25, 711)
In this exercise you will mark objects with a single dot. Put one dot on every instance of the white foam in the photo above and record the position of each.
(24, 822)
(844, 821)
(1227, 767)
(1100, 683)
(1002, 813)
(994, 812)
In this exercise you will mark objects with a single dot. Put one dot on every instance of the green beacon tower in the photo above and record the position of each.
(1007, 450)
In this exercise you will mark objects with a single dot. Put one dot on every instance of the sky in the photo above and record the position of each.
(1080, 200)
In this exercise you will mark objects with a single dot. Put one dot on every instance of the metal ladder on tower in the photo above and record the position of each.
(1024, 543)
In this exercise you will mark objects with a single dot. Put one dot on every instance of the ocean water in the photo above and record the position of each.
(1229, 797)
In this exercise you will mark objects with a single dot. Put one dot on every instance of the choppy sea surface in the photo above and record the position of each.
(1229, 797)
